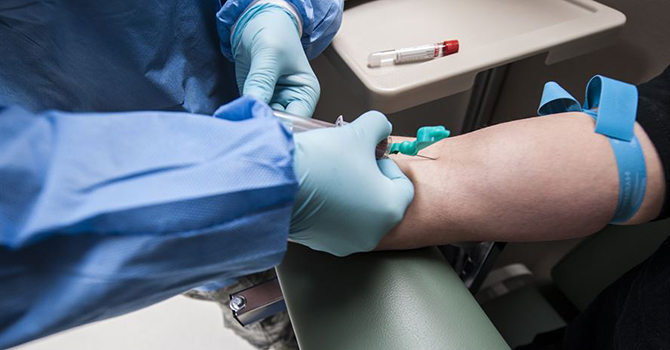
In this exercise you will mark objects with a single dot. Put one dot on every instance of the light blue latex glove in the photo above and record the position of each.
(270, 62)
(347, 200)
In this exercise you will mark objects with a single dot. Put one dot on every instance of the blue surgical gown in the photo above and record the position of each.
(103, 209)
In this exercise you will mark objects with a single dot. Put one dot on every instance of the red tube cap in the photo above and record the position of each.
(450, 46)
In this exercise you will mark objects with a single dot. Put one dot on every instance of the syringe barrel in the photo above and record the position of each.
(299, 124)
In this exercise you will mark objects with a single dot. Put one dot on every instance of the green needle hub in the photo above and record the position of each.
(425, 137)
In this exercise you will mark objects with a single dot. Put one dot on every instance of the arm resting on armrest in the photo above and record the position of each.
(535, 179)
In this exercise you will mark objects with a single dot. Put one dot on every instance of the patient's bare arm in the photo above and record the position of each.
(535, 179)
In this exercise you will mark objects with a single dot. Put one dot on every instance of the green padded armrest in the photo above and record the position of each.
(382, 300)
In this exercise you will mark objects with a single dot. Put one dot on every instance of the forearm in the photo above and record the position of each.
(535, 179)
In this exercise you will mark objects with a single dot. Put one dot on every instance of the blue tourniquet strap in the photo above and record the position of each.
(613, 104)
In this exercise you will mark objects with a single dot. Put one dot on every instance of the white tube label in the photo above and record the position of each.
(417, 53)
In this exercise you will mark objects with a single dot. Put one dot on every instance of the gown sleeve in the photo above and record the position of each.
(103, 214)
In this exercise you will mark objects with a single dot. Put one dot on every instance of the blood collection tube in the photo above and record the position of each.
(299, 124)
(413, 54)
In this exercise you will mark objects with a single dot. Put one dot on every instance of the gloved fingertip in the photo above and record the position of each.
(403, 187)
(257, 92)
(277, 106)
(390, 169)
(375, 125)
(300, 108)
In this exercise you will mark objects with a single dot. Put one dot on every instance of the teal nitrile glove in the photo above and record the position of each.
(270, 62)
(347, 200)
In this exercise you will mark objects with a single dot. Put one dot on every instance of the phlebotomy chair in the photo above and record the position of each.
(382, 300)
(414, 300)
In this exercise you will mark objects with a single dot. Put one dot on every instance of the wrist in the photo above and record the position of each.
(258, 9)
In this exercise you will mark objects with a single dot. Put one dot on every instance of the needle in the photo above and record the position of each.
(418, 155)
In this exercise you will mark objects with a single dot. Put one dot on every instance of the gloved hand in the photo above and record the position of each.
(347, 200)
(270, 62)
